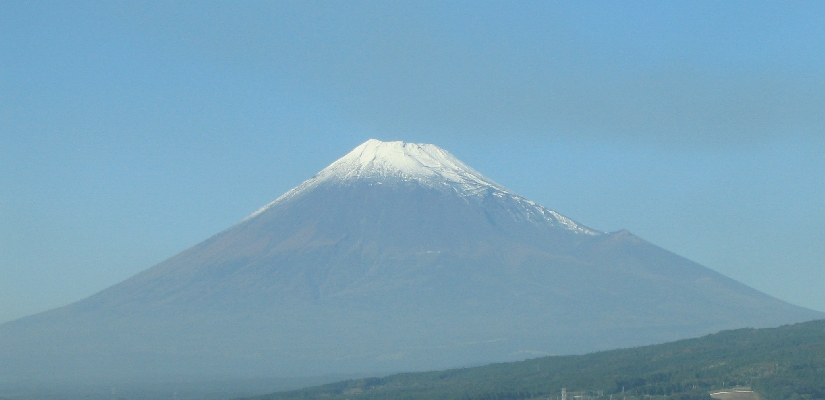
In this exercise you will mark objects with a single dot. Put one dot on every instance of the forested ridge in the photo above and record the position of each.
(785, 363)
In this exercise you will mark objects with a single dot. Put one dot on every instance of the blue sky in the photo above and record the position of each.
(131, 131)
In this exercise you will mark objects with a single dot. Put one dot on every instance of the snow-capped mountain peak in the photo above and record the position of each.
(426, 163)
(377, 162)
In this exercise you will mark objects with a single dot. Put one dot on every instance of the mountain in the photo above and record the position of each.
(398, 256)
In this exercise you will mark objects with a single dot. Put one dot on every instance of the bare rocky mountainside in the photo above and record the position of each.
(396, 257)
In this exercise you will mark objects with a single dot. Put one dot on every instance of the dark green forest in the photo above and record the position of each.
(785, 363)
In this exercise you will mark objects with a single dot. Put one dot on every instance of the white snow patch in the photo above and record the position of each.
(429, 165)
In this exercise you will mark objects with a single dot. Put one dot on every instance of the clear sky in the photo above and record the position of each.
(130, 131)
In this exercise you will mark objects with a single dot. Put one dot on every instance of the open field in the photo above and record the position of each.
(735, 394)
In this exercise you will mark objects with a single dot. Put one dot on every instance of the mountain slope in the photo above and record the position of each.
(395, 257)
(779, 363)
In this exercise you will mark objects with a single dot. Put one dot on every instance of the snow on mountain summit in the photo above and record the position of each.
(426, 163)
(377, 162)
